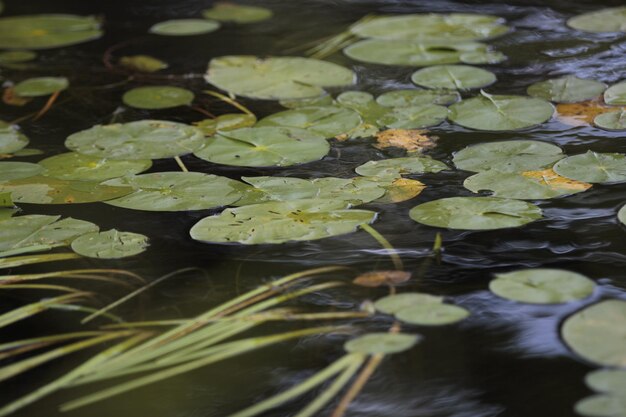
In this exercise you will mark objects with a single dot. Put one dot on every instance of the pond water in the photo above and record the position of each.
(505, 359)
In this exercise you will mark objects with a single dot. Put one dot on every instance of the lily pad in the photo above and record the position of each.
(237, 13)
(409, 98)
(326, 100)
(401, 189)
(41, 86)
(432, 314)
(375, 279)
(328, 121)
(453, 77)
(225, 122)
(607, 380)
(185, 27)
(602, 406)
(495, 112)
(475, 213)
(176, 191)
(381, 343)
(621, 215)
(414, 117)
(11, 140)
(527, 185)
(17, 56)
(392, 304)
(144, 139)
(143, 63)
(597, 333)
(612, 19)
(508, 156)
(276, 78)
(279, 222)
(264, 146)
(593, 167)
(78, 167)
(157, 97)
(396, 167)
(615, 120)
(16, 170)
(615, 95)
(111, 244)
(25, 233)
(568, 89)
(454, 27)
(542, 286)
(46, 190)
(47, 31)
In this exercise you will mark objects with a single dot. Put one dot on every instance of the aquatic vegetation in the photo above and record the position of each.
(568, 89)
(143, 63)
(111, 244)
(397, 167)
(41, 86)
(236, 13)
(615, 95)
(47, 31)
(615, 120)
(157, 97)
(74, 166)
(453, 77)
(184, 27)
(328, 121)
(593, 167)
(611, 19)
(11, 140)
(15, 170)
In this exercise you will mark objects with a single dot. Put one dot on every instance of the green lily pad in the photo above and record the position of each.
(143, 63)
(176, 191)
(46, 190)
(615, 120)
(28, 152)
(237, 13)
(16, 57)
(111, 244)
(144, 139)
(369, 110)
(528, 185)
(392, 304)
(475, 213)
(308, 102)
(593, 167)
(74, 166)
(494, 112)
(597, 333)
(414, 117)
(47, 31)
(453, 27)
(612, 19)
(508, 156)
(24, 233)
(11, 140)
(226, 122)
(16, 170)
(607, 380)
(185, 27)
(264, 146)
(542, 286)
(396, 167)
(41, 86)
(453, 77)
(276, 78)
(409, 98)
(328, 121)
(157, 97)
(602, 406)
(621, 215)
(279, 222)
(615, 95)
(568, 89)
(432, 314)
(381, 343)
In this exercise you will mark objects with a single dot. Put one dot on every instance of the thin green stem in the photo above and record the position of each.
(385, 244)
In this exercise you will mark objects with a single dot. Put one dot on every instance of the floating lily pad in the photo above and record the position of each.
(602, 406)
(475, 213)
(47, 31)
(568, 89)
(593, 167)
(381, 343)
(597, 333)
(41, 86)
(621, 215)
(264, 146)
(78, 167)
(226, 122)
(612, 19)
(615, 95)
(279, 222)
(453, 77)
(18, 56)
(308, 102)
(231, 12)
(414, 117)
(144, 139)
(32, 231)
(454, 27)
(607, 380)
(277, 78)
(16, 170)
(542, 286)
(392, 304)
(432, 314)
(401, 189)
(409, 98)
(396, 167)
(328, 121)
(508, 156)
(111, 244)
(185, 27)
(494, 112)
(527, 185)
(176, 191)
(615, 120)
(143, 63)
(375, 279)
(46, 190)
(11, 140)
(157, 97)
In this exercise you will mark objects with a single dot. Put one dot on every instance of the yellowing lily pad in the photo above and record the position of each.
(396, 167)
(45, 31)
(157, 97)
(401, 189)
(111, 244)
(583, 113)
(381, 343)
(412, 140)
(453, 77)
(237, 13)
(375, 279)
(568, 89)
(78, 167)
(185, 27)
(612, 19)
(41, 86)
(328, 121)
(593, 167)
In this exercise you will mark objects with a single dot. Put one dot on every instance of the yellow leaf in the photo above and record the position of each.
(413, 141)
(583, 113)
(378, 278)
(400, 190)
(9, 97)
(555, 181)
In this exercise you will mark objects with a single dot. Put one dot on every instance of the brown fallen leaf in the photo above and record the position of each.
(412, 140)
(400, 190)
(378, 278)
(583, 113)
(9, 97)
(556, 181)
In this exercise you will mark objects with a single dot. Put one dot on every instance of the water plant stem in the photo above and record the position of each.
(385, 244)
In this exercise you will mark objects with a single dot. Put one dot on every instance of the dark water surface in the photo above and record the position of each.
(506, 359)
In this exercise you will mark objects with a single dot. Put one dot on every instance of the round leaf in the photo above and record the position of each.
(11, 140)
(230, 12)
(432, 314)
(414, 117)
(612, 19)
(184, 27)
(42, 86)
(392, 304)
(409, 98)
(16, 170)
(144, 139)
(607, 380)
(157, 97)
(18, 56)
(47, 31)
(621, 215)
(143, 63)
(396, 167)
(593, 167)
(78, 167)
(475, 213)
(111, 244)
(615, 120)
(328, 121)
(601, 406)
(381, 343)
(567, 89)
(453, 77)
(225, 122)
(615, 95)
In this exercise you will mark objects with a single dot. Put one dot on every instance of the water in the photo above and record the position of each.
(506, 359)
